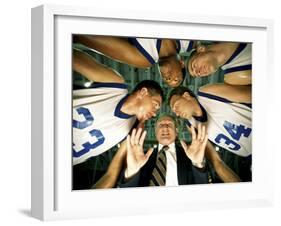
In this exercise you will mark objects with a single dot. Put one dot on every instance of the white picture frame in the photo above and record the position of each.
(52, 197)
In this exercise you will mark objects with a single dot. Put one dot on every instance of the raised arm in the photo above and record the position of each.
(116, 48)
(223, 171)
(109, 179)
(92, 70)
(239, 78)
(233, 93)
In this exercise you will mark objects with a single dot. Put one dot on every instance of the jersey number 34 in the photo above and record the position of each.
(235, 131)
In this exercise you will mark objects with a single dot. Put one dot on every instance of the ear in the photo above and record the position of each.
(142, 92)
(186, 95)
(201, 48)
(181, 63)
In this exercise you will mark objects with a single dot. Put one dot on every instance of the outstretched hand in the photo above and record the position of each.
(136, 157)
(196, 151)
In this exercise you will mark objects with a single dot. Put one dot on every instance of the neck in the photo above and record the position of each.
(168, 48)
(129, 106)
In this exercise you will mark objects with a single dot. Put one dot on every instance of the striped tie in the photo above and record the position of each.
(159, 172)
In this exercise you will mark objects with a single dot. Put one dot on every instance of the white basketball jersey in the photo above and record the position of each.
(240, 60)
(149, 47)
(184, 46)
(98, 123)
(229, 125)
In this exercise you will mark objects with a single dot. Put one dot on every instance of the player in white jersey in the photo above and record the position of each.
(229, 124)
(104, 114)
(226, 112)
(235, 59)
(97, 117)
(143, 53)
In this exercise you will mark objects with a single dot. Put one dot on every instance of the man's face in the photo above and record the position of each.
(181, 105)
(165, 130)
(149, 105)
(171, 72)
(202, 64)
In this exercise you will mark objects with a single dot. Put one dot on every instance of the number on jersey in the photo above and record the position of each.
(89, 120)
(235, 131)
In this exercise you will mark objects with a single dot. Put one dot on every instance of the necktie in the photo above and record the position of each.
(159, 172)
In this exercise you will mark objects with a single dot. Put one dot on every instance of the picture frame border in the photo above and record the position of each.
(43, 159)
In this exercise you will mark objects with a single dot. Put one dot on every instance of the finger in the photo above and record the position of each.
(137, 137)
(128, 143)
(203, 146)
(193, 133)
(133, 137)
(199, 134)
(205, 140)
(142, 138)
(203, 134)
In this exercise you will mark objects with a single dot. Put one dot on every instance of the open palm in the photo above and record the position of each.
(136, 157)
(196, 151)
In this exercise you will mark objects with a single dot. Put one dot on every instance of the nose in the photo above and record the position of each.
(176, 112)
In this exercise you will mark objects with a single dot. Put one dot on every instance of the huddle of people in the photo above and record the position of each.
(106, 114)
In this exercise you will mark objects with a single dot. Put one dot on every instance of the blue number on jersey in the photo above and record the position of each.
(230, 143)
(235, 132)
(89, 119)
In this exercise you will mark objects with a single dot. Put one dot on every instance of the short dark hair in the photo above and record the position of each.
(152, 86)
(180, 90)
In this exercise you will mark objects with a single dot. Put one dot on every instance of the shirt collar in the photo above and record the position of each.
(172, 147)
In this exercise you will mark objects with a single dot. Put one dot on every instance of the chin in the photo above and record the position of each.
(165, 142)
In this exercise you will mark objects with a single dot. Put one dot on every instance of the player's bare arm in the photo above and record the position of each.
(223, 171)
(117, 48)
(109, 179)
(241, 94)
(239, 78)
(92, 70)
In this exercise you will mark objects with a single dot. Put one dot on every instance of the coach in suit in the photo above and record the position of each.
(168, 164)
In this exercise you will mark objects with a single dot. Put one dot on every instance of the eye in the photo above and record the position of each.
(156, 105)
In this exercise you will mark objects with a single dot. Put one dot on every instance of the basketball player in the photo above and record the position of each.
(104, 114)
(235, 59)
(226, 112)
(143, 53)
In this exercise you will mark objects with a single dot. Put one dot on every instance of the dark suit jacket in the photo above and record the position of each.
(187, 173)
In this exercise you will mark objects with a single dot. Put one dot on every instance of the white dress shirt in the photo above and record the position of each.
(172, 172)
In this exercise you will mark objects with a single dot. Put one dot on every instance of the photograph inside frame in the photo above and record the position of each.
(160, 112)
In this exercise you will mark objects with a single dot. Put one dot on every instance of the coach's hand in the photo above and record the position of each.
(136, 158)
(196, 151)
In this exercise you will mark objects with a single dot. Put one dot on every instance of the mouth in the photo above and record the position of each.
(165, 135)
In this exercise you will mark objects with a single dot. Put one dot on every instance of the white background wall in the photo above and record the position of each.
(15, 112)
